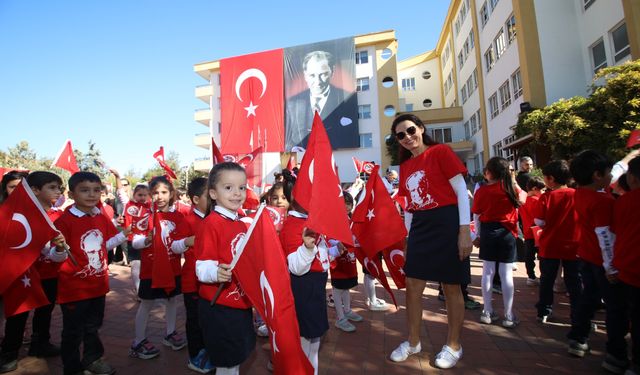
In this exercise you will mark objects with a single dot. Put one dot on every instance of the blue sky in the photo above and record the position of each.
(120, 72)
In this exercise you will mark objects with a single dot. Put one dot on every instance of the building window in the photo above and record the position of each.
(442, 135)
(366, 140)
(409, 84)
(508, 153)
(511, 29)
(484, 14)
(499, 43)
(477, 163)
(427, 103)
(516, 83)
(489, 58)
(479, 120)
(460, 60)
(494, 110)
(505, 95)
(471, 41)
(362, 57)
(364, 111)
(621, 47)
(426, 74)
(587, 3)
(475, 79)
(408, 107)
(497, 149)
(467, 131)
(493, 4)
(474, 124)
(362, 84)
(599, 56)
(463, 93)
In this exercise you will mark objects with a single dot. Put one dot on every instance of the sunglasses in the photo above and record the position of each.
(125, 184)
(411, 130)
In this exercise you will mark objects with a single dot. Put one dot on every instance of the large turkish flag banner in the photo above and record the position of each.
(252, 102)
(24, 230)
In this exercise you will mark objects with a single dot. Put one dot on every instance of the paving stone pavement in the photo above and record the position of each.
(530, 348)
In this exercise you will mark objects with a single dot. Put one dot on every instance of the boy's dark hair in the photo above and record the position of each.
(559, 170)
(38, 179)
(535, 182)
(82, 176)
(196, 187)
(586, 163)
(634, 167)
(623, 184)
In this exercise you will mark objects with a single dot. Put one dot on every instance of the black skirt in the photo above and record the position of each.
(310, 297)
(228, 333)
(432, 247)
(132, 253)
(497, 243)
(344, 283)
(147, 292)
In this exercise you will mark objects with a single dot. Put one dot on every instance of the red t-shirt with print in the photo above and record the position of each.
(174, 228)
(424, 179)
(189, 279)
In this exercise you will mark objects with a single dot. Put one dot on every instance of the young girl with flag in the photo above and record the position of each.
(496, 204)
(160, 268)
(136, 214)
(227, 323)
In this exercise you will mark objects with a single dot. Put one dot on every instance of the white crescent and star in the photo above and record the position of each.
(249, 73)
(27, 228)
(26, 281)
(366, 264)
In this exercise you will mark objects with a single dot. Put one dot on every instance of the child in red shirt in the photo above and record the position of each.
(82, 288)
(227, 325)
(559, 240)
(535, 185)
(594, 211)
(175, 240)
(626, 259)
(495, 204)
(136, 214)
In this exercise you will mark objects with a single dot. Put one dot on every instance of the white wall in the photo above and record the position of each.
(425, 88)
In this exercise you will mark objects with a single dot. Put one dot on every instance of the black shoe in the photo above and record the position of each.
(8, 362)
(100, 367)
(615, 365)
(46, 350)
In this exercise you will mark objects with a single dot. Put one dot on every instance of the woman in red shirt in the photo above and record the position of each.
(439, 243)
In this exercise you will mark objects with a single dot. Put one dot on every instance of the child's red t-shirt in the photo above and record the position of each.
(46, 268)
(189, 278)
(593, 209)
(291, 239)
(173, 228)
(526, 212)
(626, 226)
(493, 205)
(559, 238)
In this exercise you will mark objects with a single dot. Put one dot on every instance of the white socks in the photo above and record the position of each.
(506, 280)
(142, 317)
(311, 347)
(369, 288)
(342, 301)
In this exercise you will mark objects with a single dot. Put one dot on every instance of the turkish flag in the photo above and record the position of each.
(252, 201)
(252, 102)
(66, 159)
(394, 260)
(537, 232)
(24, 230)
(216, 155)
(159, 156)
(363, 166)
(292, 161)
(318, 189)
(634, 138)
(24, 294)
(161, 270)
(376, 221)
(400, 200)
(374, 267)
(264, 276)
(252, 164)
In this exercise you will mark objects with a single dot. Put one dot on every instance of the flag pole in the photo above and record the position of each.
(240, 250)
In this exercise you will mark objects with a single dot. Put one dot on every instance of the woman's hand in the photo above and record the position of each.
(464, 242)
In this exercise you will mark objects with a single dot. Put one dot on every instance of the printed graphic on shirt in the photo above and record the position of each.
(91, 243)
(133, 210)
(417, 185)
(239, 238)
(167, 227)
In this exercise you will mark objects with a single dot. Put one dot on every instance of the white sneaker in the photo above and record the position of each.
(262, 331)
(378, 305)
(447, 358)
(404, 350)
(510, 322)
(488, 317)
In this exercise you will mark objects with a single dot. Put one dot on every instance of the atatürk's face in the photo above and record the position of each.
(318, 75)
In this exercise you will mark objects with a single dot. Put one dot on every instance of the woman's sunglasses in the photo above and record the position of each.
(411, 130)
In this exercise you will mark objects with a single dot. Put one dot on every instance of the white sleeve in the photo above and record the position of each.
(207, 271)
(408, 216)
(476, 221)
(606, 239)
(354, 190)
(301, 259)
(116, 240)
(123, 197)
(56, 256)
(460, 188)
(178, 247)
(138, 241)
(618, 170)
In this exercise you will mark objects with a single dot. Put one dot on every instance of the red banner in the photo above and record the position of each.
(252, 102)
(159, 156)
(374, 267)
(394, 260)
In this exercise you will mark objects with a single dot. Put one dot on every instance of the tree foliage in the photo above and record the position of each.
(602, 121)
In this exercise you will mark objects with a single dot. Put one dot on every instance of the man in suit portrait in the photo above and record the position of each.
(337, 108)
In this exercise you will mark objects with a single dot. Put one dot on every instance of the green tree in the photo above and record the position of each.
(602, 121)
(91, 161)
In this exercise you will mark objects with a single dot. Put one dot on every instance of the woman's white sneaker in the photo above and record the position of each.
(404, 350)
(447, 358)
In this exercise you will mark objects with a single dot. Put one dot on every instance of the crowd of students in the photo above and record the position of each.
(581, 227)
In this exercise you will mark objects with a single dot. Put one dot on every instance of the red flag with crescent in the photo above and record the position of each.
(66, 159)
(252, 102)
(376, 222)
(318, 188)
(24, 294)
(25, 228)
(363, 166)
(263, 274)
(159, 156)
(394, 260)
(374, 266)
